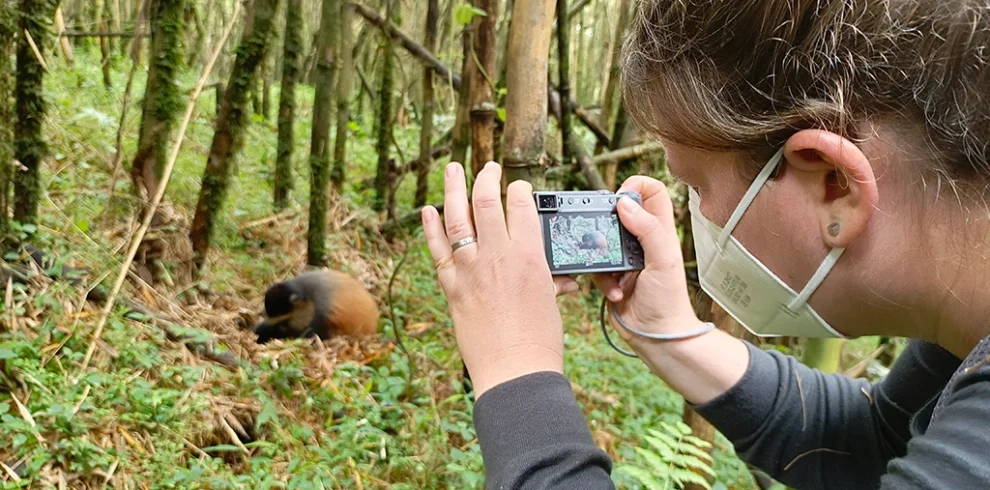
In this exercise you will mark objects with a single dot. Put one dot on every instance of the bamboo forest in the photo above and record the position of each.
(164, 162)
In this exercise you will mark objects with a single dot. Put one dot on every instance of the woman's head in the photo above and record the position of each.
(882, 108)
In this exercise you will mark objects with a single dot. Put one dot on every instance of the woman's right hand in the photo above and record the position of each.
(655, 299)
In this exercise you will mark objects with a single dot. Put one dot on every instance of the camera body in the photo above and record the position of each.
(582, 233)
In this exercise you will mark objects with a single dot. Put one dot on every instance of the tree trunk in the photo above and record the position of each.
(287, 103)
(426, 134)
(385, 115)
(101, 25)
(526, 80)
(615, 65)
(8, 11)
(482, 68)
(610, 94)
(822, 354)
(162, 97)
(462, 119)
(563, 75)
(29, 145)
(319, 149)
(229, 136)
(344, 74)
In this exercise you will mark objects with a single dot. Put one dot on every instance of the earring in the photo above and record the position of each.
(833, 229)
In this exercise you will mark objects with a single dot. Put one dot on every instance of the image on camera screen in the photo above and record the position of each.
(585, 239)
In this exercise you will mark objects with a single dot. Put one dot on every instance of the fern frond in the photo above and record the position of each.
(686, 476)
(689, 462)
(643, 476)
(696, 452)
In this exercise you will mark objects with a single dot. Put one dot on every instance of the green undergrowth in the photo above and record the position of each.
(148, 413)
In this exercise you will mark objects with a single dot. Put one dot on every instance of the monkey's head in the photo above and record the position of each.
(283, 298)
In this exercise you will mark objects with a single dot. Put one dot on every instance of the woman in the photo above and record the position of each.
(869, 219)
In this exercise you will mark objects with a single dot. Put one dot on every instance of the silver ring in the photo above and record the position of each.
(460, 243)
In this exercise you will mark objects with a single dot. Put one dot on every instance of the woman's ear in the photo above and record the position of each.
(840, 180)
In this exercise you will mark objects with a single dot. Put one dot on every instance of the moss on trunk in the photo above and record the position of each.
(291, 53)
(345, 73)
(8, 22)
(163, 100)
(29, 146)
(319, 151)
(385, 113)
(229, 136)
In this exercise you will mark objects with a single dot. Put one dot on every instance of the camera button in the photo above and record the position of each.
(570, 200)
(611, 200)
(587, 200)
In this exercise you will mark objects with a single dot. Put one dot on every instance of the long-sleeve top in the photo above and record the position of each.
(926, 425)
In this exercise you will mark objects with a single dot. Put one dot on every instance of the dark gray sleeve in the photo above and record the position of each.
(822, 431)
(534, 436)
(952, 453)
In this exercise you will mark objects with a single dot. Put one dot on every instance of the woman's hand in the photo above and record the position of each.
(655, 299)
(499, 288)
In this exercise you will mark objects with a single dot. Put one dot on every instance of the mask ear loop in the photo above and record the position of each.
(816, 279)
(749, 197)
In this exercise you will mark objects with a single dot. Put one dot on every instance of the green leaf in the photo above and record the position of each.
(465, 13)
(268, 412)
(353, 126)
(83, 225)
(7, 354)
(29, 228)
(19, 440)
(4, 408)
(501, 114)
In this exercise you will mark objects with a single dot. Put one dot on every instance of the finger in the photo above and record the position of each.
(523, 221)
(489, 219)
(609, 286)
(436, 241)
(564, 285)
(653, 192)
(457, 217)
(656, 233)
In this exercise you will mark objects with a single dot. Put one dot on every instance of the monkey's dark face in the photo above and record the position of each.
(594, 240)
(281, 299)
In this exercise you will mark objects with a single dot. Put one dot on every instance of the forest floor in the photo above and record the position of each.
(148, 412)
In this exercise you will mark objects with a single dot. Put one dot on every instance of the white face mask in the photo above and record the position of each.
(746, 288)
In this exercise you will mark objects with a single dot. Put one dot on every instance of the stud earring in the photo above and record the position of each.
(833, 229)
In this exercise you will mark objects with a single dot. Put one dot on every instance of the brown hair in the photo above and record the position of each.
(744, 75)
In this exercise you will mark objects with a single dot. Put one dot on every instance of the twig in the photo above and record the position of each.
(34, 47)
(232, 434)
(10, 472)
(813, 451)
(82, 399)
(860, 367)
(395, 322)
(166, 174)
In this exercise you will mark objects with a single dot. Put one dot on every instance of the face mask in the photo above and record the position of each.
(746, 288)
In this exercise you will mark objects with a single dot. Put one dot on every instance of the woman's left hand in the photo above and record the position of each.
(499, 288)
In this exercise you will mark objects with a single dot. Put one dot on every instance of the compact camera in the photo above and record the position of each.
(582, 233)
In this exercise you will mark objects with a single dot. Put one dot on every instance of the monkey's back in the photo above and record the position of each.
(350, 307)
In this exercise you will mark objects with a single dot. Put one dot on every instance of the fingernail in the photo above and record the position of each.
(451, 169)
(570, 287)
(427, 215)
(615, 295)
(489, 164)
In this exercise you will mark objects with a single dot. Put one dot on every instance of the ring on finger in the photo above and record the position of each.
(462, 242)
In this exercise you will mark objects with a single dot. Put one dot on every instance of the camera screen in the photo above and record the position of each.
(584, 240)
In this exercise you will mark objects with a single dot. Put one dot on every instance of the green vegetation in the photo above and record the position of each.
(151, 414)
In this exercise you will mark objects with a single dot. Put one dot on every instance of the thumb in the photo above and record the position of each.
(657, 234)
